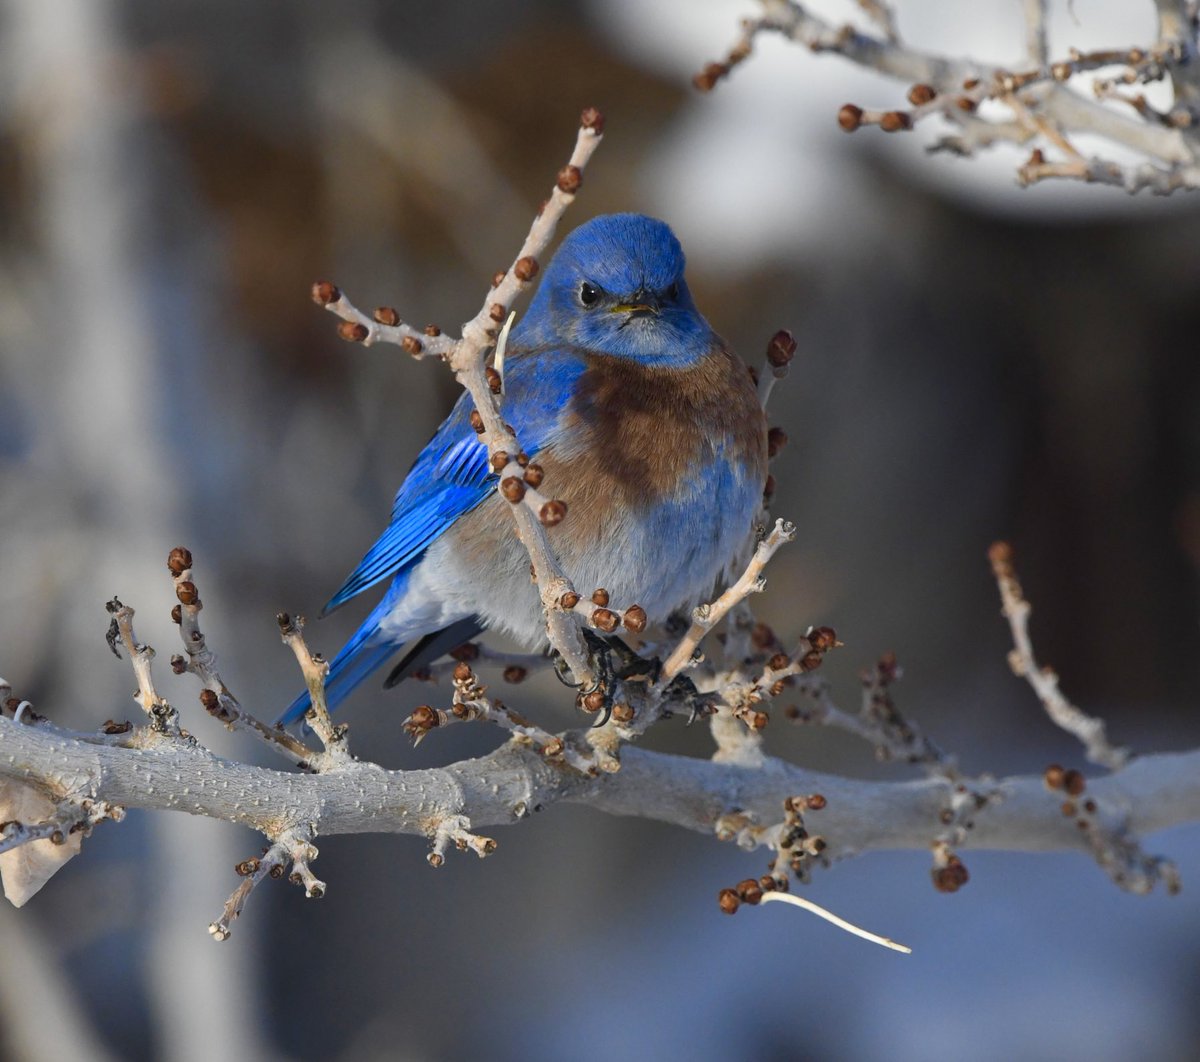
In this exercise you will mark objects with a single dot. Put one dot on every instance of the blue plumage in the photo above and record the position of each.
(646, 426)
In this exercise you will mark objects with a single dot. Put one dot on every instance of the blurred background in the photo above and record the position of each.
(976, 362)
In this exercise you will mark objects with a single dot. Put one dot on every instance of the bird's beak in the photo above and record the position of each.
(635, 308)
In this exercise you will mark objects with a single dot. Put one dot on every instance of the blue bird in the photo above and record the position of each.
(646, 425)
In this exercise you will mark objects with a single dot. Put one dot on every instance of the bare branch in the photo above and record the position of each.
(705, 617)
(1090, 731)
(1041, 95)
(467, 358)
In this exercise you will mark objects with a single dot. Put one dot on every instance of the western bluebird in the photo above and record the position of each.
(646, 425)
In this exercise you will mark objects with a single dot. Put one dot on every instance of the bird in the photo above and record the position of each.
(646, 425)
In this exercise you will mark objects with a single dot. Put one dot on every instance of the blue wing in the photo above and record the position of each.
(451, 475)
(449, 478)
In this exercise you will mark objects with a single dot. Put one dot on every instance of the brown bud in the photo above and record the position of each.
(965, 103)
(635, 619)
(412, 345)
(352, 331)
(776, 441)
(526, 268)
(553, 513)
(568, 601)
(758, 720)
(815, 801)
(512, 488)
(1053, 776)
(1068, 809)
(246, 867)
(570, 178)
(499, 460)
(748, 891)
(850, 117)
(810, 661)
(432, 330)
(534, 474)
(423, 717)
(495, 382)
(177, 614)
(179, 560)
(498, 312)
(592, 702)
(895, 121)
(1089, 806)
(778, 662)
(1037, 157)
(592, 119)
(463, 672)
(623, 713)
(385, 315)
(600, 596)
(1060, 71)
(1074, 782)
(324, 293)
(1000, 553)
(498, 278)
(728, 901)
(477, 422)
(553, 748)
(187, 593)
(781, 349)
(921, 94)
(971, 83)
(950, 878)
(822, 639)
(514, 673)
(605, 620)
(706, 80)
(467, 651)
(522, 457)
(210, 702)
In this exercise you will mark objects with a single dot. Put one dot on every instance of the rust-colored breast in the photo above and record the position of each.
(646, 430)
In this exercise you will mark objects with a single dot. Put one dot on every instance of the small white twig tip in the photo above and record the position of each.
(841, 923)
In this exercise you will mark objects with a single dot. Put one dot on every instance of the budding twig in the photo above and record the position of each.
(201, 661)
(1088, 729)
(705, 617)
(467, 358)
(315, 668)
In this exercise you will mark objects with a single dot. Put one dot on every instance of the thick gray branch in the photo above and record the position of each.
(1151, 793)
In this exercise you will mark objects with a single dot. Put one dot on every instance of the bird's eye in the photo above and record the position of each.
(673, 291)
(589, 295)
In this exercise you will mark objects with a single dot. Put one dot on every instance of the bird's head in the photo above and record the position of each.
(616, 286)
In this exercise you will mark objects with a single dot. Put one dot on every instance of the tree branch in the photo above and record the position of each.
(953, 88)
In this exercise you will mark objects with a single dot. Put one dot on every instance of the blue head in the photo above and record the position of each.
(616, 286)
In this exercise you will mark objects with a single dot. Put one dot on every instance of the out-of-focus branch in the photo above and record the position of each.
(1088, 729)
(1039, 93)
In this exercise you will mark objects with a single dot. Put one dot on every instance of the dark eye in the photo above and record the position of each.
(589, 295)
(673, 291)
